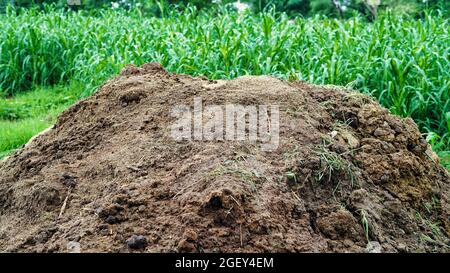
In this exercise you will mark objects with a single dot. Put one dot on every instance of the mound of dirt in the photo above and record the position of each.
(346, 176)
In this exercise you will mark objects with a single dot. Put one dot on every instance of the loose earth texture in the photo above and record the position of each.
(347, 175)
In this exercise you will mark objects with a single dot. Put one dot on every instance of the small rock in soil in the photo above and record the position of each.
(73, 247)
(137, 242)
(373, 247)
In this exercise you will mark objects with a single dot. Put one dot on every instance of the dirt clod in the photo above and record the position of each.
(137, 242)
(346, 176)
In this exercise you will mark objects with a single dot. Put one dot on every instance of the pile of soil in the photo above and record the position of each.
(347, 175)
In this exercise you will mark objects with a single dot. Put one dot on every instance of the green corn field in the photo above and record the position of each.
(402, 62)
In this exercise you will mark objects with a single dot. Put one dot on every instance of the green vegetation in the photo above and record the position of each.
(336, 8)
(347, 8)
(334, 165)
(364, 222)
(30, 113)
(401, 61)
(430, 223)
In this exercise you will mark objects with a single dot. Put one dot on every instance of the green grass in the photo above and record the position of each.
(445, 158)
(40, 101)
(402, 62)
(15, 134)
(29, 113)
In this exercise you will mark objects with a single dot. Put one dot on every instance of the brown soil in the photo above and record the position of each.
(109, 176)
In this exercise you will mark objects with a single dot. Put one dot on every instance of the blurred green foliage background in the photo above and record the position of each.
(335, 8)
